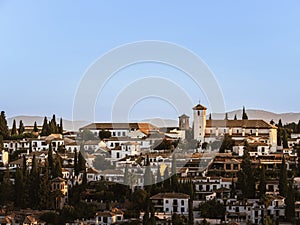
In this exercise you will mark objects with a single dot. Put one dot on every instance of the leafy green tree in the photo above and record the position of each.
(21, 127)
(101, 163)
(227, 143)
(283, 182)
(244, 116)
(103, 134)
(14, 128)
(4, 131)
(212, 209)
(87, 135)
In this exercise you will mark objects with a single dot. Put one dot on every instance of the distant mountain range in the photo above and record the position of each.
(252, 114)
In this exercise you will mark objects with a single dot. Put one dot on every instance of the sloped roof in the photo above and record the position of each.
(170, 195)
(239, 123)
(199, 107)
(183, 116)
(111, 126)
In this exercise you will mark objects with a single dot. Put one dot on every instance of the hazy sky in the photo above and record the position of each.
(252, 47)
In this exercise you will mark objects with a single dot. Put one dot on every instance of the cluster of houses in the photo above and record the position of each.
(131, 144)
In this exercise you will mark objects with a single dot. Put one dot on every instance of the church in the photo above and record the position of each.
(208, 130)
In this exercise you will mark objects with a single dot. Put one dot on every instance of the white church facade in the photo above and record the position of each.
(208, 130)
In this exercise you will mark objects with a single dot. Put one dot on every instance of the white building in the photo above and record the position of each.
(126, 149)
(170, 203)
(207, 130)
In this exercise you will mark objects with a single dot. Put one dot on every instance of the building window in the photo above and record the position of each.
(175, 209)
(182, 209)
(167, 209)
(182, 202)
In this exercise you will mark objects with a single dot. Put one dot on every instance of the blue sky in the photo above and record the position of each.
(252, 47)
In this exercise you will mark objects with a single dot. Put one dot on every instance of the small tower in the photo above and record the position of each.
(199, 122)
(184, 122)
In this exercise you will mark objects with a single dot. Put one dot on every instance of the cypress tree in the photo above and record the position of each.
(61, 128)
(81, 162)
(45, 128)
(298, 127)
(19, 189)
(50, 159)
(35, 128)
(44, 189)
(290, 204)
(262, 182)
(4, 131)
(283, 182)
(6, 188)
(279, 138)
(147, 174)
(58, 169)
(14, 128)
(279, 123)
(235, 117)
(174, 178)
(244, 116)
(126, 175)
(21, 127)
(24, 169)
(158, 176)
(166, 182)
(226, 116)
(246, 178)
(210, 118)
(284, 139)
(76, 172)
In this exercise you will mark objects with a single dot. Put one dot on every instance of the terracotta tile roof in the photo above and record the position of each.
(199, 107)
(170, 195)
(183, 116)
(110, 126)
(239, 123)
